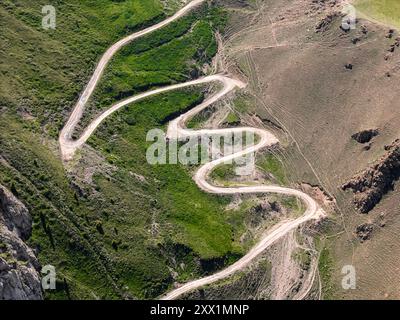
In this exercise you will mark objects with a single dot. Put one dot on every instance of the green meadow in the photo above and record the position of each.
(384, 11)
(102, 235)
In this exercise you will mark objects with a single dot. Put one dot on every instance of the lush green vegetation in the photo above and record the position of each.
(325, 266)
(44, 71)
(232, 118)
(273, 165)
(223, 173)
(386, 11)
(293, 203)
(198, 214)
(103, 235)
(102, 232)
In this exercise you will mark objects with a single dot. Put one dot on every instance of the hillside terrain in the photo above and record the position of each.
(320, 87)
(384, 12)
(98, 223)
(103, 218)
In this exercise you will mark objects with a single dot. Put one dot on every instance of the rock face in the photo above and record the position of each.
(376, 181)
(19, 278)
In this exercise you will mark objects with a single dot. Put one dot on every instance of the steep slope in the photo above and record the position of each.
(109, 215)
(316, 86)
(386, 12)
(96, 223)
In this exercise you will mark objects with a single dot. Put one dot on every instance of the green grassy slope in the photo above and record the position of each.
(385, 11)
(62, 234)
(103, 236)
(184, 215)
(170, 55)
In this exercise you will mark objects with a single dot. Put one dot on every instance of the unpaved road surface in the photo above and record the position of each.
(176, 129)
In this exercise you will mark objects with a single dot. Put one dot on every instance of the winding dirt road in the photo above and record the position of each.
(67, 145)
(176, 128)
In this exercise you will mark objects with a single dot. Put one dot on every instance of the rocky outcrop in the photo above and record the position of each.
(364, 231)
(19, 278)
(365, 136)
(372, 184)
